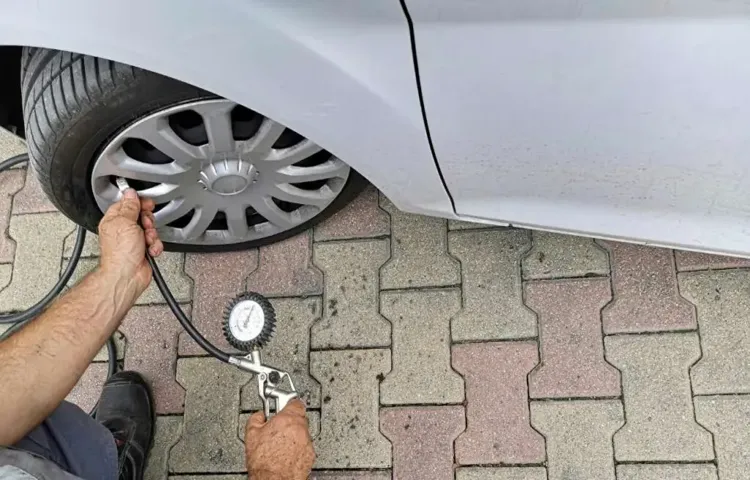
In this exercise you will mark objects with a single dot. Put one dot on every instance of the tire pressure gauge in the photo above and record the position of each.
(249, 321)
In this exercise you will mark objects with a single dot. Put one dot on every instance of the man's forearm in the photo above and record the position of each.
(40, 364)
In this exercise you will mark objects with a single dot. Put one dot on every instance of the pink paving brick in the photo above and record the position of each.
(497, 408)
(422, 439)
(570, 332)
(285, 269)
(89, 387)
(362, 218)
(218, 278)
(645, 292)
(10, 182)
(152, 334)
(32, 199)
(688, 261)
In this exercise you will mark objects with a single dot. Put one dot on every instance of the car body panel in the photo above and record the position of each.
(339, 73)
(624, 119)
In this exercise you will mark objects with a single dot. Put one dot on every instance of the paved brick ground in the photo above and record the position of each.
(429, 349)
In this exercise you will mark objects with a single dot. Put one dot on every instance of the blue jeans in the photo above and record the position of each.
(75, 442)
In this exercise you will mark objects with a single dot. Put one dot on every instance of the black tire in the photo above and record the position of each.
(74, 104)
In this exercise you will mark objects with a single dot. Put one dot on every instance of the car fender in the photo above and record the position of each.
(339, 73)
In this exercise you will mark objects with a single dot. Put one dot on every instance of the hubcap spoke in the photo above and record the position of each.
(172, 211)
(319, 198)
(236, 221)
(218, 123)
(266, 207)
(160, 134)
(330, 169)
(262, 142)
(162, 193)
(122, 165)
(198, 225)
(289, 156)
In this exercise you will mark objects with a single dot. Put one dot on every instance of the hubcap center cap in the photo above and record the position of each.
(227, 176)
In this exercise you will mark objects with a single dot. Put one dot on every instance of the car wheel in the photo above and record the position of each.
(223, 176)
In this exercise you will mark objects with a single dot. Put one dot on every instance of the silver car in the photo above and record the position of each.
(250, 120)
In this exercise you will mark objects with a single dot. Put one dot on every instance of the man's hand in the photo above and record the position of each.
(123, 242)
(281, 448)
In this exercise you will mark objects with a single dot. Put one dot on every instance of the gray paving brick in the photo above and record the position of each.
(493, 304)
(90, 246)
(35, 269)
(209, 442)
(570, 335)
(422, 439)
(418, 252)
(350, 299)
(579, 436)
(553, 256)
(362, 218)
(667, 472)
(10, 183)
(167, 431)
(289, 350)
(501, 473)
(497, 409)
(10, 145)
(6, 274)
(170, 265)
(656, 392)
(351, 475)
(646, 298)
(461, 225)
(285, 269)
(349, 435)
(218, 278)
(722, 299)
(689, 261)
(422, 370)
(31, 199)
(728, 418)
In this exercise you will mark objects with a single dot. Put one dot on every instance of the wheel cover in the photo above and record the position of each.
(226, 188)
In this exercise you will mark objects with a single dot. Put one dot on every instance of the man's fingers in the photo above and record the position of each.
(130, 206)
(147, 204)
(295, 408)
(256, 420)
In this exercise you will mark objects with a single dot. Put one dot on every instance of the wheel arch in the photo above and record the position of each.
(309, 68)
(11, 116)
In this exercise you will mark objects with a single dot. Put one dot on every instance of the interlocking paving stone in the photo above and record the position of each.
(422, 370)
(553, 256)
(722, 299)
(350, 299)
(570, 333)
(349, 435)
(344, 475)
(493, 304)
(656, 392)
(89, 387)
(218, 278)
(688, 261)
(171, 265)
(667, 472)
(497, 410)
(209, 442)
(10, 145)
(579, 436)
(645, 292)
(285, 269)
(152, 334)
(362, 218)
(90, 246)
(35, 269)
(167, 431)
(10, 182)
(461, 225)
(31, 198)
(728, 418)
(422, 439)
(6, 273)
(289, 350)
(120, 347)
(418, 252)
(501, 473)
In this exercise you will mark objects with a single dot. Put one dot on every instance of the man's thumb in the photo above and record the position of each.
(130, 206)
(256, 420)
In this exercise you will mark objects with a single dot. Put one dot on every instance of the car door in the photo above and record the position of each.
(625, 119)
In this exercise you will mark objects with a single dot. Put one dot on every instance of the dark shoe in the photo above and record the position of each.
(126, 409)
